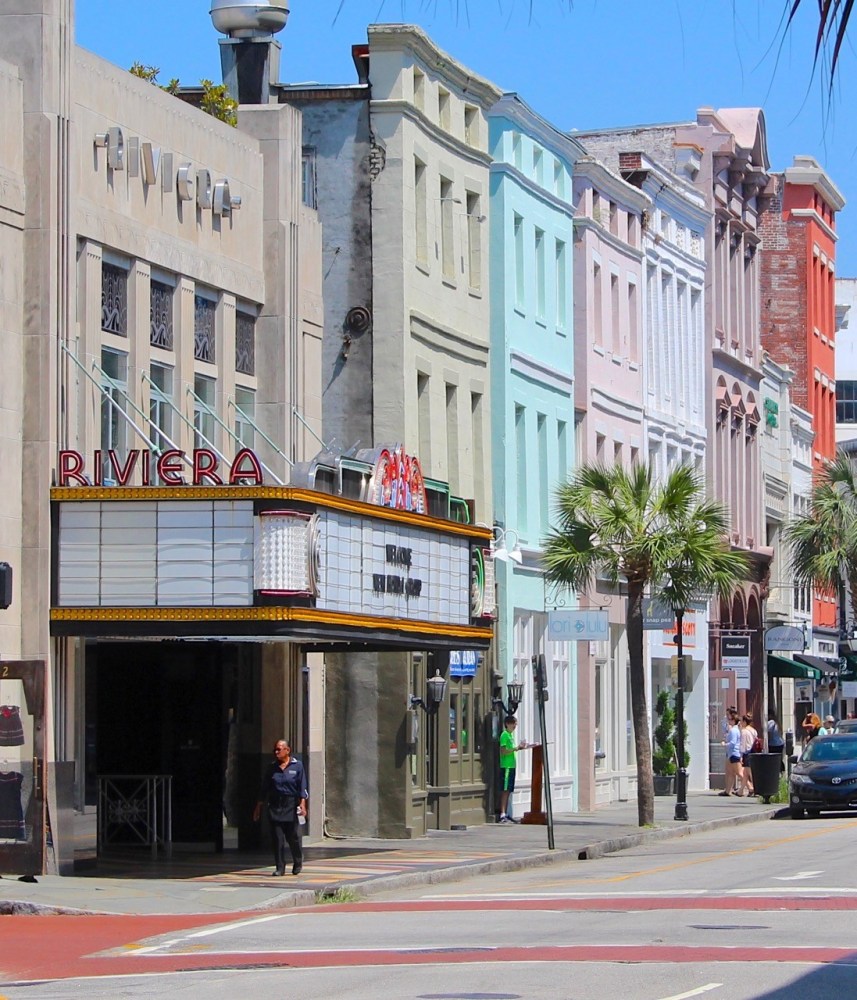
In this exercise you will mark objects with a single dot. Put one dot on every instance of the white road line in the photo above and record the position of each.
(797, 876)
(695, 993)
(209, 932)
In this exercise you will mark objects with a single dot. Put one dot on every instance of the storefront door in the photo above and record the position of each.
(22, 767)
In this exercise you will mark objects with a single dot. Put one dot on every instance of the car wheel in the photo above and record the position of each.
(796, 812)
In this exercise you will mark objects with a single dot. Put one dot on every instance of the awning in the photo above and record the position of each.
(818, 662)
(784, 666)
(849, 668)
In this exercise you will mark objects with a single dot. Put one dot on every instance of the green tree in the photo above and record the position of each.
(215, 99)
(824, 541)
(667, 537)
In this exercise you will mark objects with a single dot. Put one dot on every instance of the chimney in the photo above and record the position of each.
(249, 55)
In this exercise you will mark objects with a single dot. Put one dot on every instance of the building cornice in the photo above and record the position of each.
(511, 106)
(610, 184)
(810, 213)
(584, 222)
(542, 372)
(807, 171)
(407, 110)
(506, 170)
(410, 37)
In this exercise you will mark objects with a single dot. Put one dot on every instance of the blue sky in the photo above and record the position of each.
(584, 64)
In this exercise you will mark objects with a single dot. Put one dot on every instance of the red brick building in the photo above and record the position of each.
(798, 302)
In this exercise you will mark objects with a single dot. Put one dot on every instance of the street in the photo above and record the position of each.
(764, 910)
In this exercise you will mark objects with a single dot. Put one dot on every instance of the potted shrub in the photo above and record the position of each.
(664, 756)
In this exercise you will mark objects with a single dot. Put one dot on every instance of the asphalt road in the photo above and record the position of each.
(767, 910)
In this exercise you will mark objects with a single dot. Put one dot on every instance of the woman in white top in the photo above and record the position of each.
(748, 738)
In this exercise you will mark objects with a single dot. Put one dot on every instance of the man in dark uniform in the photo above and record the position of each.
(285, 791)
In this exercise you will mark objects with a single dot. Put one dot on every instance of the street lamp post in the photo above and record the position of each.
(681, 771)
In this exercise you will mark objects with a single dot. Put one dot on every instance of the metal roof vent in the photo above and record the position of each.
(249, 18)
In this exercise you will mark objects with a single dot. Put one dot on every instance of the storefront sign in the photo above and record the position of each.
(463, 662)
(657, 615)
(146, 468)
(585, 625)
(145, 160)
(735, 656)
(397, 481)
(785, 638)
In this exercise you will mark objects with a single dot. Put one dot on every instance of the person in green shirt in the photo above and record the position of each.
(507, 765)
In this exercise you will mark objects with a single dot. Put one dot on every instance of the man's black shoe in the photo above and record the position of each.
(280, 871)
(297, 869)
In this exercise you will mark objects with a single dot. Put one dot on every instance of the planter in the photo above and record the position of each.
(765, 768)
(664, 784)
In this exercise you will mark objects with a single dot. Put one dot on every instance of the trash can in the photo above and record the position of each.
(765, 768)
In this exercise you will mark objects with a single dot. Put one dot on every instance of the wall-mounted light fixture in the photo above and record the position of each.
(504, 548)
(514, 696)
(435, 690)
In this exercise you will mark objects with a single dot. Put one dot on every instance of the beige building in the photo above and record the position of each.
(143, 310)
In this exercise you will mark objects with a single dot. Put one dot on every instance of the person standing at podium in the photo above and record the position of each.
(508, 749)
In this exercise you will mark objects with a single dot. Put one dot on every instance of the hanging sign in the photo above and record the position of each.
(735, 656)
(784, 638)
(657, 615)
(586, 625)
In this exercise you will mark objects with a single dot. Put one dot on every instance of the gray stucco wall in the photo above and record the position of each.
(338, 130)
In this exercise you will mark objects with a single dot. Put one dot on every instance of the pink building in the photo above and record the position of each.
(608, 363)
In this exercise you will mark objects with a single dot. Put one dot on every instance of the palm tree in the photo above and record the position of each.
(833, 19)
(824, 541)
(667, 537)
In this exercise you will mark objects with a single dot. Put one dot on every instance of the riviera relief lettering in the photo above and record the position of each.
(395, 583)
(169, 468)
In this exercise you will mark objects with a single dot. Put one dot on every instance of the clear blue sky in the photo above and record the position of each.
(580, 63)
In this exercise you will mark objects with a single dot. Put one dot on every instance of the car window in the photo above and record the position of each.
(825, 749)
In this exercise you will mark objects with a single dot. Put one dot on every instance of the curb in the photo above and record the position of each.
(438, 876)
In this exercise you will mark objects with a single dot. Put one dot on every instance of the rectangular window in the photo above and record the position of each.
(846, 401)
(420, 212)
(474, 241)
(447, 251)
(561, 285)
(632, 229)
(518, 229)
(245, 415)
(245, 343)
(633, 334)
(600, 442)
(161, 315)
(114, 390)
(614, 218)
(444, 109)
(597, 305)
(114, 299)
(558, 179)
(539, 249)
(615, 328)
(538, 165)
(562, 450)
(477, 430)
(419, 89)
(544, 488)
(160, 410)
(521, 465)
(424, 419)
(203, 411)
(517, 151)
(309, 194)
(452, 444)
(471, 125)
(204, 310)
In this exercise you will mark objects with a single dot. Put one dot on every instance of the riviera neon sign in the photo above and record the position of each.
(167, 469)
(397, 481)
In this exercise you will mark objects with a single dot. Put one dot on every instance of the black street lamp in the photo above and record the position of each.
(681, 772)
(515, 694)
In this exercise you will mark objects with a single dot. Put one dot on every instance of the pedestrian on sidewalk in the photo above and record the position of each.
(508, 749)
(776, 743)
(284, 789)
(733, 753)
(748, 746)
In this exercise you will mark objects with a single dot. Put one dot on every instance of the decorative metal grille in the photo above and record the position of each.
(161, 307)
(114, 299)
(245, 344)
(203, 329)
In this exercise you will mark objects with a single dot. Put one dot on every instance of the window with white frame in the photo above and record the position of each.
(114, 390)
(204, 390)
(245, 415)
(160, 408)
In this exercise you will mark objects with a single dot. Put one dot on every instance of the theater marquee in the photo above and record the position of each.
(263, 561)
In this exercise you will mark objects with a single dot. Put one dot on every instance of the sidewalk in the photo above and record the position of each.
(237, 883)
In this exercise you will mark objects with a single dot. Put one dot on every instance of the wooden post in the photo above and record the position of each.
(536, 816)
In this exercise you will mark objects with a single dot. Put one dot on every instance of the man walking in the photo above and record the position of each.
(285, 791)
